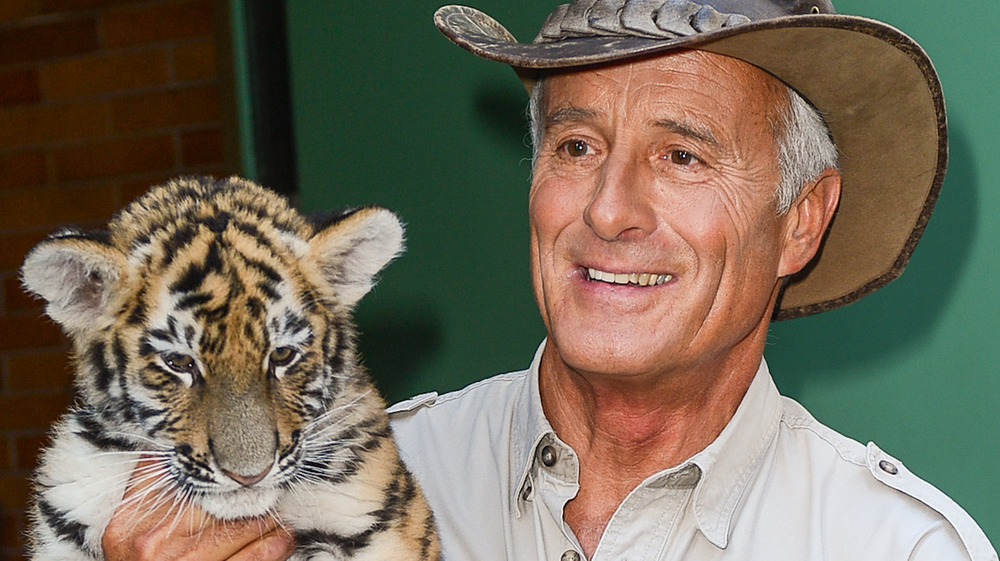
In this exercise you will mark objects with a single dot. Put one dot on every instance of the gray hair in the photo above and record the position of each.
(805, 145)
(805, 149)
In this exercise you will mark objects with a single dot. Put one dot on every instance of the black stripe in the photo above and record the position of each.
(195, 274)
(121, 356)
(178, 240)
(138, 314)
(399, 494)
(217, 313)
(312, 542)
(255, 305)
(429, 537)
(190, 280)
(263, 268)
(66, 529)
(95, 433)
(338, 358)
(102, 371)
(268, 289)
(193, 300)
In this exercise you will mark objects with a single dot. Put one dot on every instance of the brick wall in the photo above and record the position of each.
(98, 100)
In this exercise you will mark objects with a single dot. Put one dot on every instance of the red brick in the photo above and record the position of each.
(39, 370)
(27, 125)
(14, 297)
(13, 248)
(14, 491)
(19, 86)
(179, 107)
(54, 6)
(32, 411)
(31, 43)
(5, 459)
(25, 208)
(195, 61)
(26, 449)
(201, 148)
(113, 158)
(161, 21)
(27, 332)
(110, 72)
(19, 552)
(12, 535)
(22, 169)
(11, 10)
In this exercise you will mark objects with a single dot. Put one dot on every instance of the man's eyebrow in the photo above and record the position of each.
(569, 115)
(701, 134)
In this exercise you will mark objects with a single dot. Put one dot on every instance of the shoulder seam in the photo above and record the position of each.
(904, 481)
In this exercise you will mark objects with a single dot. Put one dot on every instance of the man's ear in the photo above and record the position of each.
(77, 274)
(807, 220)
(352, 250)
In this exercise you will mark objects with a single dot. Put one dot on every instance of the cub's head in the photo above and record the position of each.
(212, 331)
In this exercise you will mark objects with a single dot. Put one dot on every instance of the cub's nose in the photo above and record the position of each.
(247, 480)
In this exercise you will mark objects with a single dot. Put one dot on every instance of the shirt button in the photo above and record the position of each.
(570, 556)
(888, 467)
(548, 457)
(526, 492)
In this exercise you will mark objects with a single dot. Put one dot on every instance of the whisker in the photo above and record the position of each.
(132, 436)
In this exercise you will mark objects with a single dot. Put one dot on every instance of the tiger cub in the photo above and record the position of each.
(212, 333)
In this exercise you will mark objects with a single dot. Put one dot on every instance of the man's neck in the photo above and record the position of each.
(625, 430)
(666, 416)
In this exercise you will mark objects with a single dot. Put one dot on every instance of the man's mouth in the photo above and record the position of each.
(640, 279)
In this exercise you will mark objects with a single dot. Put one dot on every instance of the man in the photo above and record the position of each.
(684, 183)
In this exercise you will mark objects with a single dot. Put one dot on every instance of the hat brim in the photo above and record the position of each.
(874, 85)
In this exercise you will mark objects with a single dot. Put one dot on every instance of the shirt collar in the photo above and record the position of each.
(530, 429)
(725, 467)
(734, 458)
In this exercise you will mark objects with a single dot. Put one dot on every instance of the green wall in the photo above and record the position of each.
(386, 111)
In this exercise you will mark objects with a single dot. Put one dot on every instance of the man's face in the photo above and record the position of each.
(660, 174)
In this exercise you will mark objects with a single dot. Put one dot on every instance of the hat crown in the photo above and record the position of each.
(669, 19)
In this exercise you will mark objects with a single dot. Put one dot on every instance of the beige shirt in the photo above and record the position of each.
(775, 485)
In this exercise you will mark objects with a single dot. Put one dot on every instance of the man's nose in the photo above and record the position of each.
(620, 207)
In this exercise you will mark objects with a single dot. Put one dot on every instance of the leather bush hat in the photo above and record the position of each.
(876, 88)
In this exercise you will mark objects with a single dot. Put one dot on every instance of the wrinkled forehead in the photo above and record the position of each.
(728, 91)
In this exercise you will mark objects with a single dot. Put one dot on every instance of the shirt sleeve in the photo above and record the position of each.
(954, 536)
(940, 543)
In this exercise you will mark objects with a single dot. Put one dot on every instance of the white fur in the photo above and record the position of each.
(353, 251)
(87, 485)
(76, 277)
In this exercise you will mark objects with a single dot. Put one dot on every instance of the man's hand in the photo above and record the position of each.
(142, 529)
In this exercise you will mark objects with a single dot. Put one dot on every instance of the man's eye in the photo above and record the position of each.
(682, 157)
(576, 148)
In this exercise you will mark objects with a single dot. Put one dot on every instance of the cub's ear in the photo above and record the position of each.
(353, 249)
(76, 273)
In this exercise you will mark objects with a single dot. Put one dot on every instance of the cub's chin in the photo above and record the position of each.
(239, 502)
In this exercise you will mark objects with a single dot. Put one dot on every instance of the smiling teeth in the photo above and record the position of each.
(641, 279)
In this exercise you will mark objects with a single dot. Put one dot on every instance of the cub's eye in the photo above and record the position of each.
(682, 157)
(576, 148)
(282, 356)
(182, 364)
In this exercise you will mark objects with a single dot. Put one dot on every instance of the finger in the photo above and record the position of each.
(276, 545)
(240, 540)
